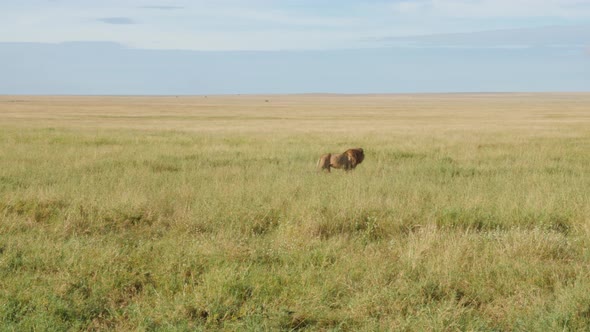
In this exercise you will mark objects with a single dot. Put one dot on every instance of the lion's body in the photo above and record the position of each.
(346, 161)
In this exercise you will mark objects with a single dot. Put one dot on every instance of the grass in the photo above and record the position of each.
(470, 212)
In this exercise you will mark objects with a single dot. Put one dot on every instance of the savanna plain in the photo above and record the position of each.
(469, 212)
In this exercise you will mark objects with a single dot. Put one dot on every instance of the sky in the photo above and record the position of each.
(293, 46)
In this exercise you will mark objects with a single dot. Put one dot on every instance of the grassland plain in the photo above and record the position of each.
(470, 212)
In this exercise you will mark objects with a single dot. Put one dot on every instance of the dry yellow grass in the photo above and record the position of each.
(305, 113)
(470, 212)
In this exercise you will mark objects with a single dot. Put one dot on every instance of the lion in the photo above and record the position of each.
(346, 161)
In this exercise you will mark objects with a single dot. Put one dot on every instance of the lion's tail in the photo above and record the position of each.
(319, 163)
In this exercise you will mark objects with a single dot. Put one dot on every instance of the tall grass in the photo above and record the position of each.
(470, 212)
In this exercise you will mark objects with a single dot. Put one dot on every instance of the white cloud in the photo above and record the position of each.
(494, 8)
(162, 7)
(270, 24)
(198, 25)
(116, 20)
(552, 36)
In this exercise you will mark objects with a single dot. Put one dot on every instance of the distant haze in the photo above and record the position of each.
(106, 68)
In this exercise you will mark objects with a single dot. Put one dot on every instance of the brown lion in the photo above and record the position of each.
(346, 161)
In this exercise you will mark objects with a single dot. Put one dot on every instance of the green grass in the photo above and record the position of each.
(467, 226)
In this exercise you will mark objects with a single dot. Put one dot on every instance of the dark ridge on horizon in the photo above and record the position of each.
(310, 94)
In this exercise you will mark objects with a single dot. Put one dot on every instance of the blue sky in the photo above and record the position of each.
(293, 46)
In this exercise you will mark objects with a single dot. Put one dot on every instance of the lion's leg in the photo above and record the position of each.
(324, 162)
(346, 165)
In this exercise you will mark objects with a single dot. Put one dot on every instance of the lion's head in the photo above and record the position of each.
(356, 156)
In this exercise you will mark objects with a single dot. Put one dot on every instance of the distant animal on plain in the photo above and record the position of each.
(346, 161)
